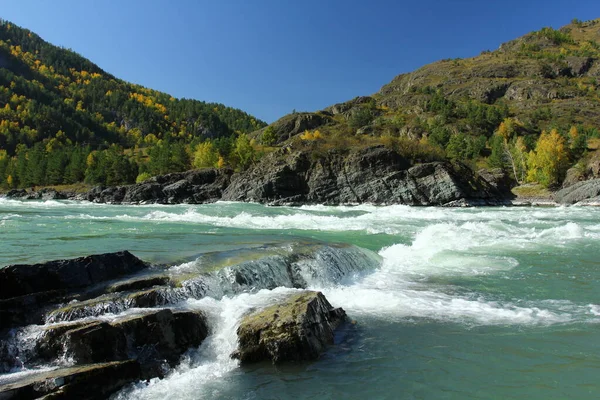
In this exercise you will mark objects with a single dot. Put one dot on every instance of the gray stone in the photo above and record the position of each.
(299, 328)
(578, 192)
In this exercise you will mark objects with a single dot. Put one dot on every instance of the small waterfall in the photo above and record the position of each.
(299, 265)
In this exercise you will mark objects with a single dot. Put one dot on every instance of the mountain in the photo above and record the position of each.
(528, 111)
(489, 110)
(56, 105)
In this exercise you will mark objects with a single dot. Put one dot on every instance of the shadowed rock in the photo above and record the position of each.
(162, 335)
(64, 275)
(97, 381)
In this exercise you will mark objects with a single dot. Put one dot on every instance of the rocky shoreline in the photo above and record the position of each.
(374, 175)
(52, 324)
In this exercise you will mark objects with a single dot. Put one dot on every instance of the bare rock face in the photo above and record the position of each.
(107, 353)
(296, 123)
(298, 329)
(21, 280)
(374, 175)
(27, 289)
(579, 192)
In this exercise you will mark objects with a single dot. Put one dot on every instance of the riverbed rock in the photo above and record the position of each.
(579, 192)
(28, 289)
(64, 275)
(157, 336)
(299, 328)
(374, 175)
(96, 381)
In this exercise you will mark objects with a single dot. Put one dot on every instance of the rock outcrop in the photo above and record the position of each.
(63, 322)
(64, 275)
(109, 352)
(196, 186)
(373, 175)
(296, 123)
(585, 192)
(151, 338)
(28, 289)
(300, 328)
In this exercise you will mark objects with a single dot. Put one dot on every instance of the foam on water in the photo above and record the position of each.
(512, 227)
(202, 370)
(434, 246)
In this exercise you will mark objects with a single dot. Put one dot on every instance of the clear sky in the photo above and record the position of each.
(269, 57)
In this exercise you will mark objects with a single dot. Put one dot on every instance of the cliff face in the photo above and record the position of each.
(373, 175)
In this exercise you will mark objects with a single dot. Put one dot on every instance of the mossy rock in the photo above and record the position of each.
(299, 328)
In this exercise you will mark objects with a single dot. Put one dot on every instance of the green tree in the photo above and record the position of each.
(243, 151)
(205, 155)
(268, 137)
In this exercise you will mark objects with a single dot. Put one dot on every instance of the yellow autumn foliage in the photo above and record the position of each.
(550, 159)
(311, 135)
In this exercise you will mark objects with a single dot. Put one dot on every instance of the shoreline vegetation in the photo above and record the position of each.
(529, 109)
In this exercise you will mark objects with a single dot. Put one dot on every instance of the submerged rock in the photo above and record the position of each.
(96, 381)
(300, 328)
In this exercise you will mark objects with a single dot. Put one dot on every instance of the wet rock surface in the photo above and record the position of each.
(112, 323)
(65, 275)
(96, 381)
(90, 353)
(299, 328)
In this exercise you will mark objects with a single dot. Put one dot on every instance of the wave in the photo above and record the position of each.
(454, 227)
(202, 370)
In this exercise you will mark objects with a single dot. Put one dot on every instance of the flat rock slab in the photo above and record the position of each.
(96, 381)
(299, 328)
(64, 275)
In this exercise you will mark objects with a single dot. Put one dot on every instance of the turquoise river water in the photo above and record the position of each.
(466, 303)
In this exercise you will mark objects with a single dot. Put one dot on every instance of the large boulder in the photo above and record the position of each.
(299, 328)
(28, 289)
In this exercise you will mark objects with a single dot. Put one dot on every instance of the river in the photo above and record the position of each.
(464, 303)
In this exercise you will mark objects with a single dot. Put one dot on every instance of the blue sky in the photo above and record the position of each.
(269, 57)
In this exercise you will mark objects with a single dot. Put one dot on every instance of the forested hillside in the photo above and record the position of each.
(64, 120)
(531, 107)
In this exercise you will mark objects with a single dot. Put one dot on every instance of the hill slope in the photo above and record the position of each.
(489, 110)
(55, 99)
